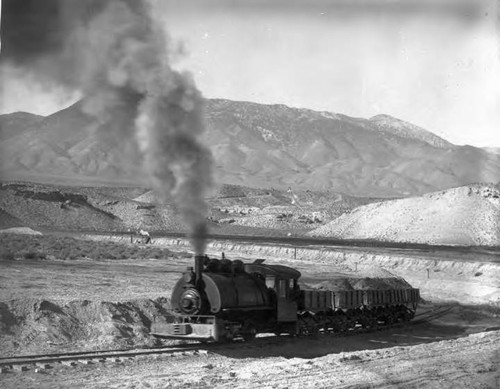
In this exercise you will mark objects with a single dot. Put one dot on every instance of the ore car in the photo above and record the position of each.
(221, 300)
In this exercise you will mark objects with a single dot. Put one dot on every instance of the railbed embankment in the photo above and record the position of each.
(466, 281)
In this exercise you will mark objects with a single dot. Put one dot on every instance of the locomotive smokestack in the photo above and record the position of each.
(198, 267)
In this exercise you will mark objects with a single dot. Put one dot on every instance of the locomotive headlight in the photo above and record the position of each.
(190, 302)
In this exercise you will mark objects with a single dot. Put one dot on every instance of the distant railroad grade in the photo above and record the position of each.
(481, 254)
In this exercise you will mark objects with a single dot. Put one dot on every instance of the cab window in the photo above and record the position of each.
(282, 288)
(270, 282)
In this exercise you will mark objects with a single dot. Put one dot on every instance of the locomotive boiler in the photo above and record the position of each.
(221, 300)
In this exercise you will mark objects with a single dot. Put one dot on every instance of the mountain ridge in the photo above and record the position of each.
(407, 130)
(260, 146)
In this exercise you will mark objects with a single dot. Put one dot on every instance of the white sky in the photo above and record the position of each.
(434, 69)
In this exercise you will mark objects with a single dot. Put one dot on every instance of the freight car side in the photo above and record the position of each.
(323, 300)
(336, 311)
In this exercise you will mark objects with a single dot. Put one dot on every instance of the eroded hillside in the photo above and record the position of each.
(232, 209)
(468, 215)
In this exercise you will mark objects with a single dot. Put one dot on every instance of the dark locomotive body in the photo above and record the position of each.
(222, 300)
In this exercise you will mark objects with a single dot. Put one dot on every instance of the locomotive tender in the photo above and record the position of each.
(221, 300)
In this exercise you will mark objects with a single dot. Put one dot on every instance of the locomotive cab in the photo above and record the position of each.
(282, 281)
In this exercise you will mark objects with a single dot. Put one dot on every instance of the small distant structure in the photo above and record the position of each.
(146, 238)
(66, 204)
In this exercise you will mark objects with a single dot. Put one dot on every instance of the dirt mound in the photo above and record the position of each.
(36, 326)
(29, 244)
(336, 284)
(365, 283)
(466, 215)
(8, 221)
(38, 206)
(147, 197)
(20, 230)
(379, 284)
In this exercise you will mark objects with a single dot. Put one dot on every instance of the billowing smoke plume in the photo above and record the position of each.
(116, 54)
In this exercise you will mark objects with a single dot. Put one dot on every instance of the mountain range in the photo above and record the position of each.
(261, 146)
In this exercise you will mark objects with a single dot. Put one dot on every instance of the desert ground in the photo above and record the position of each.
(119, 119)
(106, 296)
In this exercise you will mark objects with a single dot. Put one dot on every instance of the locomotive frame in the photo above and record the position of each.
(222, 300)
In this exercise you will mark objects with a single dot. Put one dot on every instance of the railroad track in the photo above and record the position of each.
(45, 361)
(431, 314)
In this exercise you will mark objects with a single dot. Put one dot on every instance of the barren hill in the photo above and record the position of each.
(63, 148)
(256, 145)
(15, 123)
(467, 215)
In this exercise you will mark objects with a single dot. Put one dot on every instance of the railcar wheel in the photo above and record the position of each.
(409, 314)
(249, 331)
(226, 338)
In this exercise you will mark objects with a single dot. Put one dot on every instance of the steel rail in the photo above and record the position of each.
(431, 314)
(95, 355)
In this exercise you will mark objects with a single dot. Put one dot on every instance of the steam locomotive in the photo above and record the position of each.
(222, 300)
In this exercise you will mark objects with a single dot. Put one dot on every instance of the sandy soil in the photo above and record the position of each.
(467, 362)
(87, 279)
(117, 298)
(467, 215)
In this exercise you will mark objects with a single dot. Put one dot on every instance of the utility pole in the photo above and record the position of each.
(294, 199)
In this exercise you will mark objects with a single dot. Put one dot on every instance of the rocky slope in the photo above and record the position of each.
(258, 146)
(467, 215)
(390, 125)
(232, 209)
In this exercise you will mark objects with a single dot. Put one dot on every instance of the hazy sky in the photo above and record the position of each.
(433, 65)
